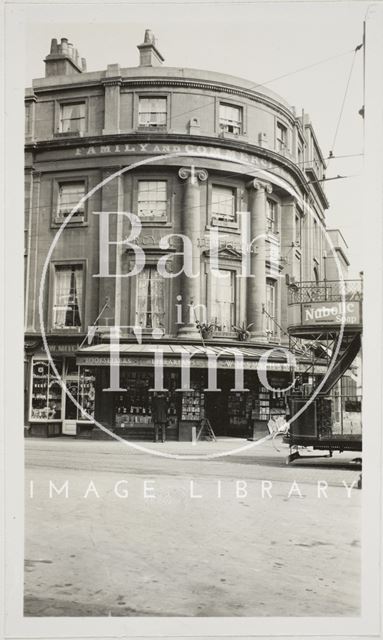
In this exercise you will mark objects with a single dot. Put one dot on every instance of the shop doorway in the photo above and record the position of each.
(216, 411)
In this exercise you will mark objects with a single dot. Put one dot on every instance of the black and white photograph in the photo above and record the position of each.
(193, 319)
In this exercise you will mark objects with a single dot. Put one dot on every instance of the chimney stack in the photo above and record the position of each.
(63, 59)
(149, 54)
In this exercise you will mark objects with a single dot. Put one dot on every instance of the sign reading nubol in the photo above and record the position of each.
(331, 313)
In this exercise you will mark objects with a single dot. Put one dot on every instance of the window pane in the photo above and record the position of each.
(230, 118)
(67, 303)
(270, 307)
(152, 200)
(72, 117)
(46, 393)
(223, 204)
(69, 195)
(272, 221)
(222, 302)
(150, 298)
(152, 111)
(281, 136)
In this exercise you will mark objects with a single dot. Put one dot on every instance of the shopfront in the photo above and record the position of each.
(240, 413)
(51, 412)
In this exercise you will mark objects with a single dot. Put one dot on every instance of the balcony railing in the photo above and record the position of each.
(325, 291)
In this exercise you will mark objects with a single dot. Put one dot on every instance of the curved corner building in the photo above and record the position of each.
(214, 154)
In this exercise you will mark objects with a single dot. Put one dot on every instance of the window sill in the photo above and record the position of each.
(67, 330)
(56, 224)
(45, 420)
(231, 136)
(155, 223)
(69, 134)
(152, 127)
(233, 227)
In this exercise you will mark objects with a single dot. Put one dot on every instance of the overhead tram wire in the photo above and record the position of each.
(331, 153)
(263, 84)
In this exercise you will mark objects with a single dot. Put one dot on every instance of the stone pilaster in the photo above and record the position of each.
(112, 83)
(256, 286)
(191, 293)
(110, 287)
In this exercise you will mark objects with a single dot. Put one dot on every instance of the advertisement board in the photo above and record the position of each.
(331, 312)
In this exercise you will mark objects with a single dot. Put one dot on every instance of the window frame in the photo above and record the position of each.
(281, 126)
(275, 204)
(151, 261)
(146, 329)
(59, 180)
(64, 102)
(43, 358)
(216, 222)
(220, 182)
(131, 197)
(75, 222)
(147, 96)
(52, 291)
(272, 332)
(240, 107)
(152, 220)
(234, 301)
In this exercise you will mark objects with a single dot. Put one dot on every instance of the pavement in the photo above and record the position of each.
(116, 531)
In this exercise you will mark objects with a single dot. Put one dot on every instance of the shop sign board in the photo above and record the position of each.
(331, 313)
(222, 363)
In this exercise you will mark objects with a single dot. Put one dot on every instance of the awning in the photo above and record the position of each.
(143, 355)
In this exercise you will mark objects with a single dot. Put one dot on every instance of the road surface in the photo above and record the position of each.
(112, 531)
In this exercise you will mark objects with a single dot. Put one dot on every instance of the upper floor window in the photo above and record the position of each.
(272, 216)
(281, 137)
(317, 163)
(300, 154)
(230, 118)
(270, 307)
(70, 193)
(152, 112)
(72, 117)
(298, 230)
(222, 300)
(152, 201)
(68, 296)
(150, 298)
(222, 205)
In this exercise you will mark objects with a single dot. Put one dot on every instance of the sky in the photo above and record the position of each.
(257, 41)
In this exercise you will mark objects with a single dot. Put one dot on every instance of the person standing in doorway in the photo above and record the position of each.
(159, 416)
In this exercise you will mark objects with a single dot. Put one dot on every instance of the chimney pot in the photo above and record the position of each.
(63, 59)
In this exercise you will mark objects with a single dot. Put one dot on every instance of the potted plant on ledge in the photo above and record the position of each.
(243, 331)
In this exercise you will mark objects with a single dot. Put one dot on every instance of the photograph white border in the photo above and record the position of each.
(17, 626)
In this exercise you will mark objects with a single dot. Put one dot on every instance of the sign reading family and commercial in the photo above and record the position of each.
(331, 313)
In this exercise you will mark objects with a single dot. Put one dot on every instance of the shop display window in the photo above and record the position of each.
(46, 391)
(80, 382)
(134, 406)
(240, 407)
(193, 402)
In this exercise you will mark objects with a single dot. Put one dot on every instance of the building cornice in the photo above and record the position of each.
(176, 138)
(215, 86)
